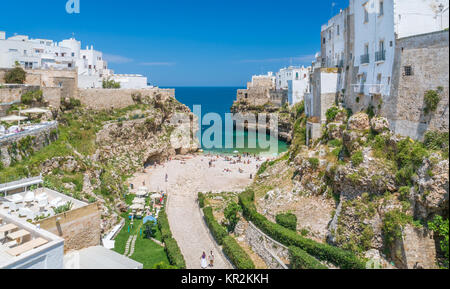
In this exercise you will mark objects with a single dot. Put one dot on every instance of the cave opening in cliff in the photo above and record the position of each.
(151, 161)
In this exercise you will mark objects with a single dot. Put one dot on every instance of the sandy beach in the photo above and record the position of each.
(186, 177)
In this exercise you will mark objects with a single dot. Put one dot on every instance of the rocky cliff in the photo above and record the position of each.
(364, 189)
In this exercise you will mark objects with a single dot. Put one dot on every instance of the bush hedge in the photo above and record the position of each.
(174, 253)
(217, 230)
(201, 200)
(163, 225)
(287, 220)
(341, 258)
(236, 254)
(231, 248)
(301, 260)
(171, 246)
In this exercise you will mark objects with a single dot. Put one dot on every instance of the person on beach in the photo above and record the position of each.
(211, 260)
(167, 178)
(203, 261)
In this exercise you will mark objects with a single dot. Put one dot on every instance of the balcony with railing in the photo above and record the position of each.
(358, 88)
(380, 56)
(376, 88)
(365, 59)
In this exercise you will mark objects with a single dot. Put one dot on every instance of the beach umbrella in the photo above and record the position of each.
(149, 219)
(145, 189)
(34, 110)
(156, 196)
(140, 193)
(138, 201)
(13, 118)
(137, 207)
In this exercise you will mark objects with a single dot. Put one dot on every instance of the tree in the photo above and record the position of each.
(16, 75)
(150, 230)
(110, 83)
(232, 216)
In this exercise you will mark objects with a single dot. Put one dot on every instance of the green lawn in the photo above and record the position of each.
(146, 251)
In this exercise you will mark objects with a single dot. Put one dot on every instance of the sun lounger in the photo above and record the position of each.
(17, 199)
(28, 246)
(7, 228)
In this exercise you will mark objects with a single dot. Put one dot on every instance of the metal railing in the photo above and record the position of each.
(380, 55)
(42, 127)
(365, 59)
(359, 88)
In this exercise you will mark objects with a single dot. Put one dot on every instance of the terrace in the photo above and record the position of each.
(37, 204)
(23, 245)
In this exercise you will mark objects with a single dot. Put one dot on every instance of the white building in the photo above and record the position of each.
(378, 23)
(67, 54)
(38, 249)
(290, 73)
(334, 40)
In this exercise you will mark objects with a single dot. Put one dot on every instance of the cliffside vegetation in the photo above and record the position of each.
(97, 151)
(370, 191)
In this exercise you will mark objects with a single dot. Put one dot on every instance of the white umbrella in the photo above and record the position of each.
(137, 207)
(138, 201)
(141, 193)
(145, 189)
(12, 118)
(34, 110)
(156, 196)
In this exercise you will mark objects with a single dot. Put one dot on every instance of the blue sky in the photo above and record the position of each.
(182, 42)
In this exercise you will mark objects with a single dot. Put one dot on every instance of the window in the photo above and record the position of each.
(329, 35)
(324, 40)
(407, 70)
(381, 11)
(366, 49)
(366, 15)
(338, 30)
(69, 64)
(73, 54)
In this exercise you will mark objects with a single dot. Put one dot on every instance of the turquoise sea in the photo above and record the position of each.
(219, 100)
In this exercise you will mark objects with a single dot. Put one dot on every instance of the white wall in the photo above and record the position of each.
(290, 73)
(378, 28)
(130, 81)
(334, 34)
(414, 17)
(297, 90)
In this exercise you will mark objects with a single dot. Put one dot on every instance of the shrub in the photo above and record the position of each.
(409, 158)
(16, 75)
(343, 259)
(163, 225)
(201, 199)
(393, 223)
(237, 255)
(332, 113)
(314, 162)
(110, 83)
(357, 158)
(432, 99)
(217, 230)
(301, 260)
(231, 214)
(287, 220)
(440, 227)
(174, 253)
(435, 140)
(30, 96)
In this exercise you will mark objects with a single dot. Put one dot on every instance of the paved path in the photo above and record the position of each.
(184, 183)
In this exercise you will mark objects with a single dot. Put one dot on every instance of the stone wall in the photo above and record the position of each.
(416, 249)
(39, 139)
(268, 249)
(80, 228)
(99, 99)
(427, 55)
